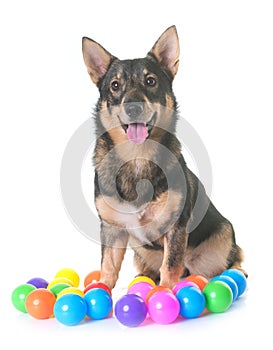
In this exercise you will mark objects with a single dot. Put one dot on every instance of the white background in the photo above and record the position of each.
(224, 88)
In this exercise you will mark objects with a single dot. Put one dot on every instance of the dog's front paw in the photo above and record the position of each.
(169, 282)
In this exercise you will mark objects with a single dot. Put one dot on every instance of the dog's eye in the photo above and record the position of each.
(115, 85)
(150, 81)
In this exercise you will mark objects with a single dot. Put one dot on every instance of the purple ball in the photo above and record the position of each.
(38, 282)
(130, 310)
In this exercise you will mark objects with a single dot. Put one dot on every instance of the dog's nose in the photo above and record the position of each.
(133, 109)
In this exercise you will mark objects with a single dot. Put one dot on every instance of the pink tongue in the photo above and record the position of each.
(137, 133)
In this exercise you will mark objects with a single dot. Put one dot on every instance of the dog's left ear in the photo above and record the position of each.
(166, 50)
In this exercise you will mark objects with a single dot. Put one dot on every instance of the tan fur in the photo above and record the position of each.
(210, 257)
(169, 102)
(111, 264)
(124, 215)
(170, 277)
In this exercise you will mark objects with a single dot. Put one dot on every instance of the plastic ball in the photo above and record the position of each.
(70, 274)
(59, 280)
(163, 307)
(201, 281)
(38, 282)
(99, 303)
(230, 282)
(70, 290)
(57, 288)
(130, 310)
(155, 290)
(40, 303)
(141, 289)
(218, 296)
(70, 309)
(239, 278)
(93, 276)
(183, 284)
(142, 279)
(19, 296)
(192, 301)
(97, 285)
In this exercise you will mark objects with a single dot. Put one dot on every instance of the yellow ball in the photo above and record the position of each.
(142, 279)
(70, 290)
(59, 280)
(70, 274)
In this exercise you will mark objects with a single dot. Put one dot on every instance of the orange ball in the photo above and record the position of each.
(93, 276)
(40, 303)
(201, 281)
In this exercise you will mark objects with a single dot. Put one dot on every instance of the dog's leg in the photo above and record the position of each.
(175, 244)
(238, 259)
(113, 244)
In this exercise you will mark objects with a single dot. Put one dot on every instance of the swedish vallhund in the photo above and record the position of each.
(145, 194)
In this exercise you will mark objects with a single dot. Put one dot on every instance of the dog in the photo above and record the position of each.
(145, 194)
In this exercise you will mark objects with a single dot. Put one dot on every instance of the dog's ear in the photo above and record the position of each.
(166, 50)
(96, 59)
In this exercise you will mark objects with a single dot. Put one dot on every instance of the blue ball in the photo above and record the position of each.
(99, 303)
(130, 310)
(192, 302)
(239, 278)
(230, 282)
(70, 309)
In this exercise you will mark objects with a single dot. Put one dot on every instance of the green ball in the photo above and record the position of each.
(57, 288)
(19, 296)
(218, 296)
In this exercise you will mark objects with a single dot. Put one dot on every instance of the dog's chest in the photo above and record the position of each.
(146, 221)
(139, 181)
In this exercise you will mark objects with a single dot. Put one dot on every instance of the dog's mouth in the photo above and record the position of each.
(137, 133)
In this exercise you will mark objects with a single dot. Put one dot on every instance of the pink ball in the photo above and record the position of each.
(183, 284)
(163, 307)
(141, 289)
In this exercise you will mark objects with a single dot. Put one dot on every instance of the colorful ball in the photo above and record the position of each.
(59, 280)
(69, 274)
(201, 281)
(101, 285)
(239, 278)
(57, 288)
(142, 279)
(99, 303)
(93, 276)
(19, 296)
(183, 284)
(70, 290)
(155, 290)
(130, 310)
(230, 282)
(218, 296)
(141, 289)
(163, 307)
(40, 303)
(192, 301)
(70, 309)
(38, 282)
